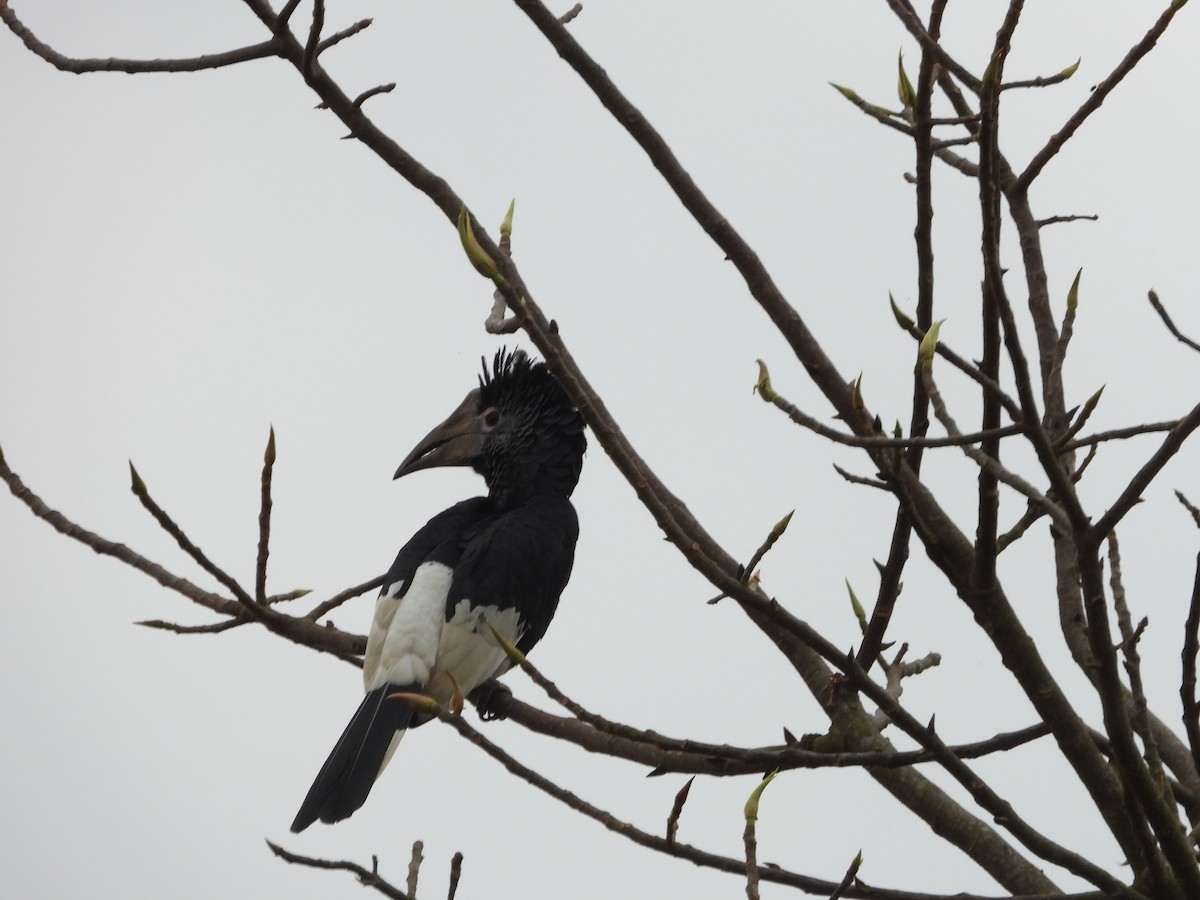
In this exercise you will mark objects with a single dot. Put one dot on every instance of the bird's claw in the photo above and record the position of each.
(485, 696)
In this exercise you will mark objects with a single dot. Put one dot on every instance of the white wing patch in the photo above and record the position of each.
(469, 651)
(402, 645)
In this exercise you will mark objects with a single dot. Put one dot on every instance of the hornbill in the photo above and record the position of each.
(502, 559)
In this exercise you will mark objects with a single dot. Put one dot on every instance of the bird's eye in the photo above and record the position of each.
(491, 418)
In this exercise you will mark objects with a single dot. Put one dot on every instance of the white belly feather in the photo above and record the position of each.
(411, 642)
(403, 642)
(469, 651)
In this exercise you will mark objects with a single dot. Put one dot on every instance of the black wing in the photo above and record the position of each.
(349, 772)
(520, 560)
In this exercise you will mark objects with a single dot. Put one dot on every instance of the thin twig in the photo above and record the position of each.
(1133, 663)
(264, 522)
(1065, 333)
(225, 624)
(314, 39)
(989, 385)
(138, 486)
(285, 15)
(340, 36)
(1055, 220)
(750, 842)
(328, 640)
(1133, 490)
(1087, 461)
(1092, 402)
(1187, 687)
(414, 867)
(1189, 506)
(892, 571)
(861, 479)
(1097, 97)
(954, 142)
(990, 463)
(765, 390)
(677, 810)
(1042, 80)
(1033, 512)
(896, 671)
(368, 94)
(848, 878)
(367, 877)
(775, 534)
(324, 608)
(498, 320)
(175, 628)
(891, 118)
(1162, 314)
(456, 862)
(904, 11)
(1120, 434)
(81, 65)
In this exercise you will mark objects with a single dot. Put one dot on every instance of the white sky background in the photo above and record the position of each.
(190, 258)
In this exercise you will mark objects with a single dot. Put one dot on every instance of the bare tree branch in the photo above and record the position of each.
(1098, 96)
(323, 609)
(334, 39)
(1055, 220)
(1187, 689)
(80, 66)
(366, 877)
(328, 640)
(414, 867)
(1162, 313)
(456, 862)
(773, 874)
(264, 522)
(1128, 788)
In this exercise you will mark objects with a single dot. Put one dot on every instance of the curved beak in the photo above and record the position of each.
(456, 442)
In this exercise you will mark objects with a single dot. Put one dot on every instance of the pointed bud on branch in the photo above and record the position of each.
(484, 264)
(763, 386)
(136, 484)
(901, 319)
(929, 344)
(506, 224)
(904, 88)
(1073, 293)
(751, 809)
(513, 653)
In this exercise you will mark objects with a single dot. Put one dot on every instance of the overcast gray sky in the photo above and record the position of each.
(191, 258)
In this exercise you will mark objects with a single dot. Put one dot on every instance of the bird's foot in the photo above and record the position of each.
(485, 698)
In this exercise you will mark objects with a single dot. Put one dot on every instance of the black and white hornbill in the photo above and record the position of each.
(504, 559)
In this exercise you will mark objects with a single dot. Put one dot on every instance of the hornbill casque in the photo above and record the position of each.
(504, 559)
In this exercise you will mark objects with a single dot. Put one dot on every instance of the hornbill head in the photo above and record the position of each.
(518, 429)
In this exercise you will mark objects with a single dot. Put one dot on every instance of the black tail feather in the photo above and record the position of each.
(348, 774)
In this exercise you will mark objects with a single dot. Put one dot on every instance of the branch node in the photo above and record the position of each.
(368, 94)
